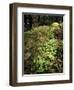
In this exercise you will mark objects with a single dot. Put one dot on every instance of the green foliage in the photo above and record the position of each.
(43, 49)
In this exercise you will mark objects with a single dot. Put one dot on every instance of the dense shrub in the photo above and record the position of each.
(43, 49)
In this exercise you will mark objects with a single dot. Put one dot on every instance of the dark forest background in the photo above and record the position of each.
(31, 21)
